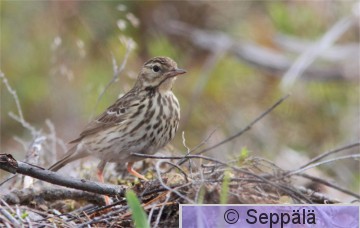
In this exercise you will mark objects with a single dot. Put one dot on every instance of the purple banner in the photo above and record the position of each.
(269, 216)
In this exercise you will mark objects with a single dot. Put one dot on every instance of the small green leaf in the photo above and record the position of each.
(24, 215)
(244, 153)
(138, 214)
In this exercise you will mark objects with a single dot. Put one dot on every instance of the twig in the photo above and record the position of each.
(55, 140)
(242, 131)
(11, 219)
(20, 116)
(18, 213)
(117, 70)
(169, 188)
(21, 142)
(50, 194)
(7, 179)
(321, 156)
(9, 164)
(157, 190)
(25, 124)
(187, 153)
(193, 149)
(7, 214)
(13, 93)
(92, 211)
(203, 142)
(161, 210)
(184, 143)
(288, 190)
(103, 218)
(52, 137)
(317, 197)
(179, 168)
(352, 156)
(324, 182)
(33, 153)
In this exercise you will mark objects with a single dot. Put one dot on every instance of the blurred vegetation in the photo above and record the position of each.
(58, 57)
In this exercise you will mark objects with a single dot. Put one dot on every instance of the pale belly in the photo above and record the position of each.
(146, 135)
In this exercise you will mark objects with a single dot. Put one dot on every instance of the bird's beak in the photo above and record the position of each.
(176, 72)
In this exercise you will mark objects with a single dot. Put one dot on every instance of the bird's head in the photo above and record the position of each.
(160, 73)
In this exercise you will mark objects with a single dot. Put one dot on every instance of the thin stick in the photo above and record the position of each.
(242, 131)
(189, 151)
(11, 219)
(317, 197)
(13, 93)
(354, 156)
(180, 170)
(161, 211)
(203, 142)
(20, 116)
(168, 187)
(324, 182)
(117, 70)
(321, 156)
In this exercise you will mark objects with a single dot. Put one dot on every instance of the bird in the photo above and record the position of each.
(143, 120)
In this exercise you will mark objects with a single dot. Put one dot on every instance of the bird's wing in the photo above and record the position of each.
(123, 108)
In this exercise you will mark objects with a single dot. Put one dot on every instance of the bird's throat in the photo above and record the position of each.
(166, 85)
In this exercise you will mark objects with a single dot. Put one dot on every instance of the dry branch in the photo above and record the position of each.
(50, 194)
(331, 185)
(337, 52)
(317, 197)
(263, 58)
(242, 131)
(9, 164)
(348, 157)
(323, 155)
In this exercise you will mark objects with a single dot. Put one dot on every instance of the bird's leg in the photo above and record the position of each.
(133, 172)
(100, 176)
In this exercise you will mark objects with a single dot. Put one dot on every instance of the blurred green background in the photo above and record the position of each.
(57, 55)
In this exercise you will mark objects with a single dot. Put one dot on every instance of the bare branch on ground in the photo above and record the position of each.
(327, 183)
(9, 164)
(27, 195)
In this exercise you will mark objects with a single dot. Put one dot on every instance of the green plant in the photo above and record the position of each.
(138, 214)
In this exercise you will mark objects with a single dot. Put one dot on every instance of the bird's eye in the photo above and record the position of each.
(156, 68)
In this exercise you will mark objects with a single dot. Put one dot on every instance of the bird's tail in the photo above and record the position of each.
(70, 156)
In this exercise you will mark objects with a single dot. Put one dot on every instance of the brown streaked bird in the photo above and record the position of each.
(144, 120)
